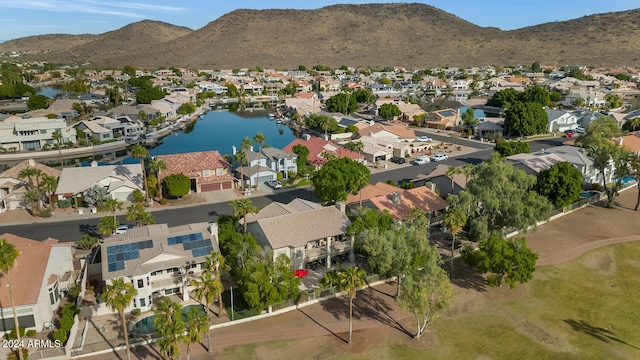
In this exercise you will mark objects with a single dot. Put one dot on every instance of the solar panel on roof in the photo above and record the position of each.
(118, 254)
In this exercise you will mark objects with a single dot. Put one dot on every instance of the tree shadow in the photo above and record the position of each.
(89, 230)
(322, 326)
(602, 334)
(465, 276)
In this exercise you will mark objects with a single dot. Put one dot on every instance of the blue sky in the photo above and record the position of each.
(19, 18)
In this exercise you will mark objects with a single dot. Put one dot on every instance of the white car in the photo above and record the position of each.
(421, 161)
(423, 139)
(274, 184)
(123, 228)
(579, 130)
(439, 157)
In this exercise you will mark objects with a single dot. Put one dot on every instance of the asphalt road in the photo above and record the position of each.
(73, 230)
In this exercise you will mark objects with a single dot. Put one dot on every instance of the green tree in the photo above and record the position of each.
(526, 119)
(509, 148)
(177, 185)
(136, 212)
(338, 178)
(186, 108)
(8, 256)
(155, 165)
(504, 260)
(536, 94)
(241, 208)
(129, 70)
(206, 288)
(451, 172)
(356, 146)
(265, 282)
(118, 295)
(232, 90)
(385, 81)
(389, 111)
(303, 156)
(351, 279)
(426, 293)
(455, 219)
(108, 225)
(259, 140)
(598, 144)
(48, 185)
(170, 327)
(500, 198)
(112, 205)
(504, 98)
(36, 102)
(323, 123)
(57, 137)
(629, 163)
(342, 103)
(196, 325)
(33, 198)
(469, 119)
(87, 242)
(147, 94)
(561, 184)
(216, 264)
(139, 152)
(535, 67)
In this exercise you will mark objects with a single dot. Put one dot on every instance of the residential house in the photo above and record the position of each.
(107, 128)
(578, 158)
(134, 112)
(560, 120)
(119, 181)
(488, 126)
(41, 277)
(631, 142)
(320, 150)
(248, 175)
(397, 132)
(400, 203)
(442, 119)
(586, 116)
(280, 161)
(383, 147)
(533, 164)
(304, 103)
(158, 260)
(590, 98)
(12, 187)
(369, 192)
(207, 170)
(33, 133)
(165, 108)
(273, 88)
(304, 231)
(442, 181)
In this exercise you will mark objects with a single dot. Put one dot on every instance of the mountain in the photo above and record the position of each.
(370, 34)
(47, 43)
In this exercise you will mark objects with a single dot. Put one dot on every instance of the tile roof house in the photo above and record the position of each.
(439, 178)
(631, 142)
(442, 119)
(158, 260)
(119, 180)
(400, 203)
(207, 170)
(578, 158)
(12, 187)
(43, 271)
(397, 132)
(532, 164)
(370, 191)
(306, 232)
(318, 146)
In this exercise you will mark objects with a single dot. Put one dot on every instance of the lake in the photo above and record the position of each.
(220, 130)
(49, 91)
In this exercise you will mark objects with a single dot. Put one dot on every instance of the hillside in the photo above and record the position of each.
(47, 43)
(371, 34)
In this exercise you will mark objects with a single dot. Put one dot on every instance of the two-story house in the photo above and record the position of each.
(12, 187)
(33, 133)
(442, 119)
(560, 121)
(207, 170)
(578, 158)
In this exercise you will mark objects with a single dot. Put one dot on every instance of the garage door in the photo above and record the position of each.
(210, 187)
(265, 178)
(226, 185)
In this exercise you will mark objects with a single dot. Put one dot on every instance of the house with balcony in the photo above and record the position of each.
(12, 187)
(158, 260)
(42, 274)
(308, 233)
(107, 128)
(560, 121)
(280, 161)
(33, 133)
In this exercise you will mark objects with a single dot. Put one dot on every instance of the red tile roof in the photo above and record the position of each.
(317, 146)
(422, 198)
(192, 164)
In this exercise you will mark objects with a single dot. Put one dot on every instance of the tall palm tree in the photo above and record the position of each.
(197, 324)
(108, 225)
(140, 152)
(170, 327)
(166, 312)
(216, 263)
(57, 137)
(8, 256)
(155, 165)
(206, 289)
(136, 212)
(31, 173)
(259, 140)
(351, 279)
(455, 219)
(242, 207)
(451, 171)
(118, 296)
(112, 205)
(33, 197)
(241, 157)
(48, 185)
(246, 146)
(467, 172)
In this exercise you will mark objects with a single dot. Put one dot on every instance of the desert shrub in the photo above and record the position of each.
(135, 312)
(177, 185)
(163, 201)
(46, 213)
(63, 204)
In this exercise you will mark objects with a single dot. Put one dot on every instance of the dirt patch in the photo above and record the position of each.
(599, 261)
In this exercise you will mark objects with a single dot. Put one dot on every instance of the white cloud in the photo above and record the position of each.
(120, 9)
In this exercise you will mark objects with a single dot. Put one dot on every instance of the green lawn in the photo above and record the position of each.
(583, 309)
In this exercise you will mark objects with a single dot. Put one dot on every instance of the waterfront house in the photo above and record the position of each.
(33, 133)
(40, 279)
(207, 170)
(320, 149)
(270, 162)
(134, 112)
(119, 181)
(400, 203)
(158, 260)
(304, 231)
(12, 187)
(533, 164)
(400, 133)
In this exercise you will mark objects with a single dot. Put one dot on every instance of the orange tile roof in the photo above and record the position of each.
(304, 95)
(27, 275)
(421, 198)
(371, 191)
(15, 171)
(317, 146)
(631, 142)
(191, 164)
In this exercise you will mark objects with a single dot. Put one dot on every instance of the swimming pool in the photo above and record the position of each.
(146, 326)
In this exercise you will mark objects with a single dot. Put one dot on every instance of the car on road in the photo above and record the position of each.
(421, 161)
(439, 157)
(569, 134)
(123, 228)
(398, 160)
(579, 130)
(274, 184)
(424, 139)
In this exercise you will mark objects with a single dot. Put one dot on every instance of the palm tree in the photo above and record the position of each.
(118, 296)
(324, 124)
(241, 157)
(49, 185)
(206, 289)
(351, 279)
(216, 263)
(467, 172)
(197, 324)
(108, 225)
(139, 151)
(31, 173)
(8, 256)
(166, 312)
(112, 205)
(455, 219)
(136, 212)
(169, 326)
(242, 207)
(57, 137)
(451, 171)
(246, 146)
(259, 140)
(155, 165)
(33, 197)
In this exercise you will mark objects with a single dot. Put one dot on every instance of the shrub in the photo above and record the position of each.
(63, 204)
(87, 242)
(14, 354)
(391, 182)
(163, 201)
(135, 312)
(46, 213)
(12, 335)
(31, 333)
(74, 290)
(177, 185)
(60, 335)
(279, 176)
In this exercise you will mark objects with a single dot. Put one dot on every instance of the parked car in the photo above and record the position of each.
(579, 130)
(569, 134)
(398, 160)
(123, 228)
(424, 139)
(439, 157)
(274, 184)
(421, 161)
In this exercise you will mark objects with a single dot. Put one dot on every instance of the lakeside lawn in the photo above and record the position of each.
(583, 309)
